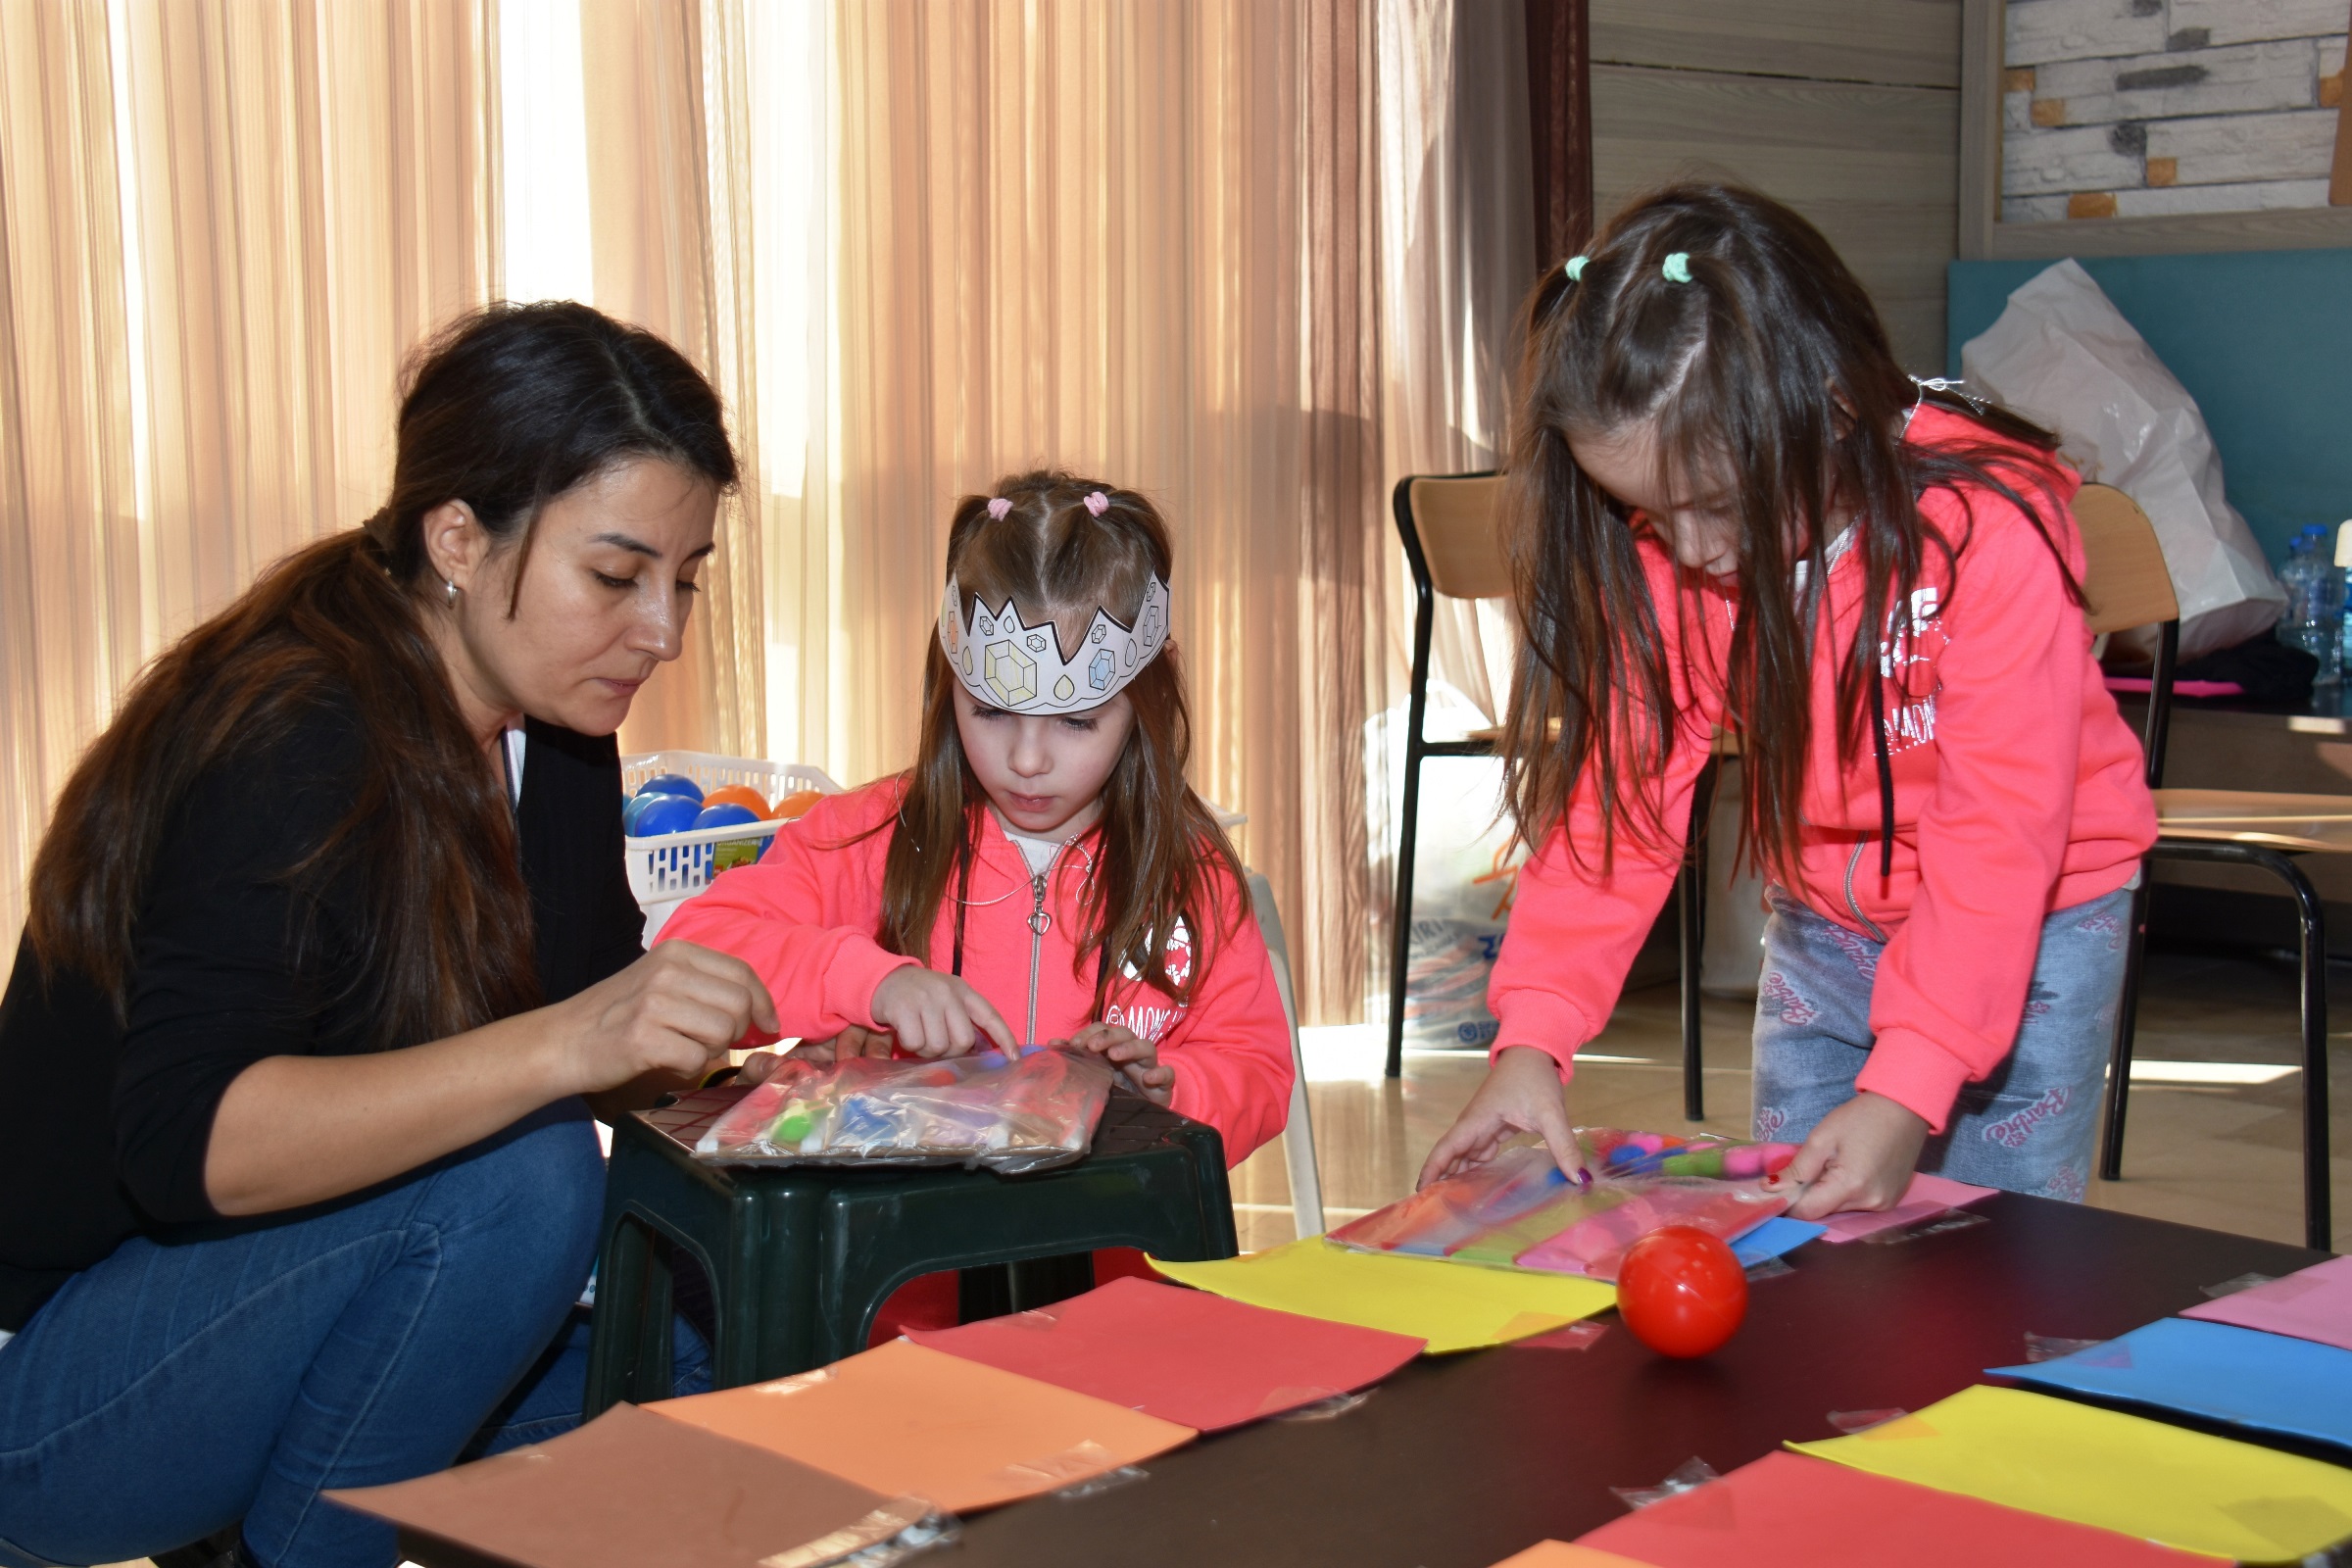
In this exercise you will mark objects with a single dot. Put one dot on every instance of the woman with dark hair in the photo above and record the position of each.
(1730, 508)
(329, 935)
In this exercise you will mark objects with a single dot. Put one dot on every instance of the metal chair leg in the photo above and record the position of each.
(1401, 920)
(2317, 1224)
(2127, 1026)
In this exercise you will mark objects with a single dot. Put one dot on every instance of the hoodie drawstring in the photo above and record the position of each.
(1878, 735)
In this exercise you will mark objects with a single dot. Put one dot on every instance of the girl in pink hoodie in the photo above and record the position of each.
(1730, 508)
(1043, 873)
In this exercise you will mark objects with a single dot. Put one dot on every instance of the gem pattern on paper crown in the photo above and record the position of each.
(1008, 664)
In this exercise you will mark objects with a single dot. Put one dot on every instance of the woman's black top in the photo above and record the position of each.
(103, 1123)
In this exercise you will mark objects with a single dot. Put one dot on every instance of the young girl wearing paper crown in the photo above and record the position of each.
(1043, 873)
(1729, 507)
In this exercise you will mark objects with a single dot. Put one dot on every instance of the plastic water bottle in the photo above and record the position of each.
(2343, 563)
(2314, 604)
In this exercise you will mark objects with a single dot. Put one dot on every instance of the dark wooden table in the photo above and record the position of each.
(1459, 1461)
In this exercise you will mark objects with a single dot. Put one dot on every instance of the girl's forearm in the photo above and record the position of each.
(298, 1130)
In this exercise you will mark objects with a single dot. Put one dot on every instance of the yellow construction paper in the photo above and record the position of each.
(2117, 1472)
(1454, 1306)
(1564, 1554)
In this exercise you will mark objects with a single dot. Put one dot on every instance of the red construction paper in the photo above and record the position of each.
(1186, 1356)
(1790, 1511)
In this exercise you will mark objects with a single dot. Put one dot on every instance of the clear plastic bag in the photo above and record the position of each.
(1596, 1245)
(1009, 1114)
(1518, 1211)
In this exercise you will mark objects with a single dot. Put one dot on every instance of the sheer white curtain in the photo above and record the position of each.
(221, 226)
(1133, 238)
(1243, 254)
(1458, 255)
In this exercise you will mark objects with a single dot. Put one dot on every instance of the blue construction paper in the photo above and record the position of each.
(1777, 1235)
(2243, 1375)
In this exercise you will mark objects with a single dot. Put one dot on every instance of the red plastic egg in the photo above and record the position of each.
(1680, 1291)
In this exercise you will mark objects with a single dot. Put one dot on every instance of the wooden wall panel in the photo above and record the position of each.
(1874, 163)
(1903, 43)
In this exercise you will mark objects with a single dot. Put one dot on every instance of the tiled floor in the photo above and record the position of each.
(2229, 1158)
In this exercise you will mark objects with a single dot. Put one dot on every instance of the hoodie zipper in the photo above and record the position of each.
(1039, 920)
(1852, 860)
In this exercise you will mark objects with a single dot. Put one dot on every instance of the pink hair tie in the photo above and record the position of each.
(1097, 503)
(1000, 509)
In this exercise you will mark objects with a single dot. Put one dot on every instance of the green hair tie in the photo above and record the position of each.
(1573, 268)
(1677, 268)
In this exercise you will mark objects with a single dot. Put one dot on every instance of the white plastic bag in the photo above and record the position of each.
(2063, 356)
(1465, 870)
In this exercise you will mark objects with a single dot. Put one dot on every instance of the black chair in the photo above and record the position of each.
(2128, 586)
(1453, 545)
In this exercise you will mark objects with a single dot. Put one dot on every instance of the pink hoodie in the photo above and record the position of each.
(2018, 791)
(805, 918)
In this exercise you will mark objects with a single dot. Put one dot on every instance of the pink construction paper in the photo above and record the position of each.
(2312, 1303)
(1182, 1355)
(1926, 1196)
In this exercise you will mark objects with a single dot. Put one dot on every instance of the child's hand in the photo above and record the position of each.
(1861, 1155)
(1521, 1094)
(933, 1015)
(1136, 1058)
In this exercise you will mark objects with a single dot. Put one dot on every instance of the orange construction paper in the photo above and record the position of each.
(905, 1421)
(580, 1501)
(1790, 1511)
(1560, 1554)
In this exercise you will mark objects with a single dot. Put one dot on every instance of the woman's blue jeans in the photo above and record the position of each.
(176, 1388)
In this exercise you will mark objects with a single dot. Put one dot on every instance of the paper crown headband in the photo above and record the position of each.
(1008, 664)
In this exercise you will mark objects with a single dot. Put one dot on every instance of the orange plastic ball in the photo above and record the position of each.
(1680, 1291)
(743, 795)
(795, 805)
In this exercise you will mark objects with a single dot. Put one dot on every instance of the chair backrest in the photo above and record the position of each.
(2124, 575)
(1457, 519)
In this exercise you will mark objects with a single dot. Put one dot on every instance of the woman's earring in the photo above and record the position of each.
(452, 589)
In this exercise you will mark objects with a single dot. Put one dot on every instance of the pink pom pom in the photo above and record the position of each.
(1000, 509)
(1097, 503)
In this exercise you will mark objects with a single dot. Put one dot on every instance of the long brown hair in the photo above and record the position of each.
(1760, 352)
(1055, 559)
(506, 409)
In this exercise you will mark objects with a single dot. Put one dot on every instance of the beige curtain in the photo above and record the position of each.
(1133, 238)
(1237, 253)
(669, 199)
(221, 226)
(1457, 252)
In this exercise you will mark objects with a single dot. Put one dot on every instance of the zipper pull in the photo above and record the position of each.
(1039, 920)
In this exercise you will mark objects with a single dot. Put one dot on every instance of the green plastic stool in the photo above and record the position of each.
(799, 1259)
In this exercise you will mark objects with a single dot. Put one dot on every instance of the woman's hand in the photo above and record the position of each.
(933, 1015)
(1521, 1094)
(676, 1011)
(760, 1065)
(1136, 1058)
(1861, 1155)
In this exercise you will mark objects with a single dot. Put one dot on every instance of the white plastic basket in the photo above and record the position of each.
(673, 866)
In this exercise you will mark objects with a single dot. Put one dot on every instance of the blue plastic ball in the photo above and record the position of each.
(673, 784)
(635, 806)
(666, 813)
(725, 814)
